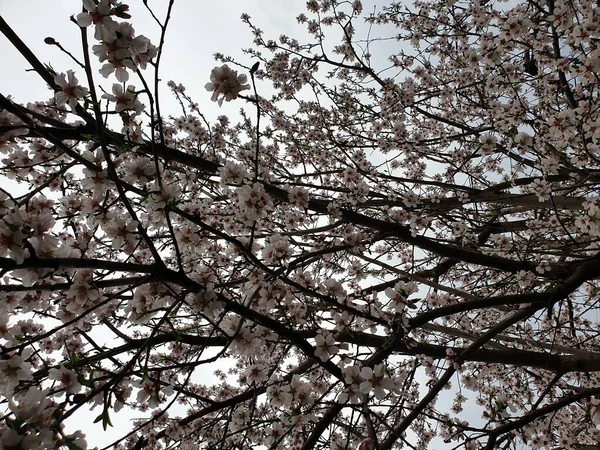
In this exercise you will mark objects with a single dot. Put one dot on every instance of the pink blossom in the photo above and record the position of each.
(66, 377)
(70, 91)
(98, 15)
(252, 201)
(124, 99)
(226, 84)
(325, 347)
(14, 369)
(376, 380)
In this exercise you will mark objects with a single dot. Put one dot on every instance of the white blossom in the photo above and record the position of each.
(70, 91)
(226, 84)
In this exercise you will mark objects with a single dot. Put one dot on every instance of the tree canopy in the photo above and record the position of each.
(380, 251)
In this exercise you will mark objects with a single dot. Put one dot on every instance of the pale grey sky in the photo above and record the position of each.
(197, 30)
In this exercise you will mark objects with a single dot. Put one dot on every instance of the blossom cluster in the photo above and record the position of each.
(120, 49)
(122, 52)
(71, 91)
(362, 382)
(589, 220)
(253, 282)
(226, 84)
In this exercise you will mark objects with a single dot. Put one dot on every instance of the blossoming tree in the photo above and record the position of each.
(389, 252)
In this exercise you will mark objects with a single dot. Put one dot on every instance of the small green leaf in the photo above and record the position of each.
(105, 418)
(50, 69)
(74, 359)
(89, 383)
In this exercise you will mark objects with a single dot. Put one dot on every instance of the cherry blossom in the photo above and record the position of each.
(66, 377)
(383, 246)
(12, 241)
(99, 16)
(13, 370)
(325, 347)
(376, 380)
(399, 294)
(71, 91)
(252, 201)
(226, 84)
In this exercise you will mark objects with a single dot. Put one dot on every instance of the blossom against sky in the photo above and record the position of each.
(197, 30)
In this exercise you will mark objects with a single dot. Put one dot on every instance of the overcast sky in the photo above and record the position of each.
(197, 30)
